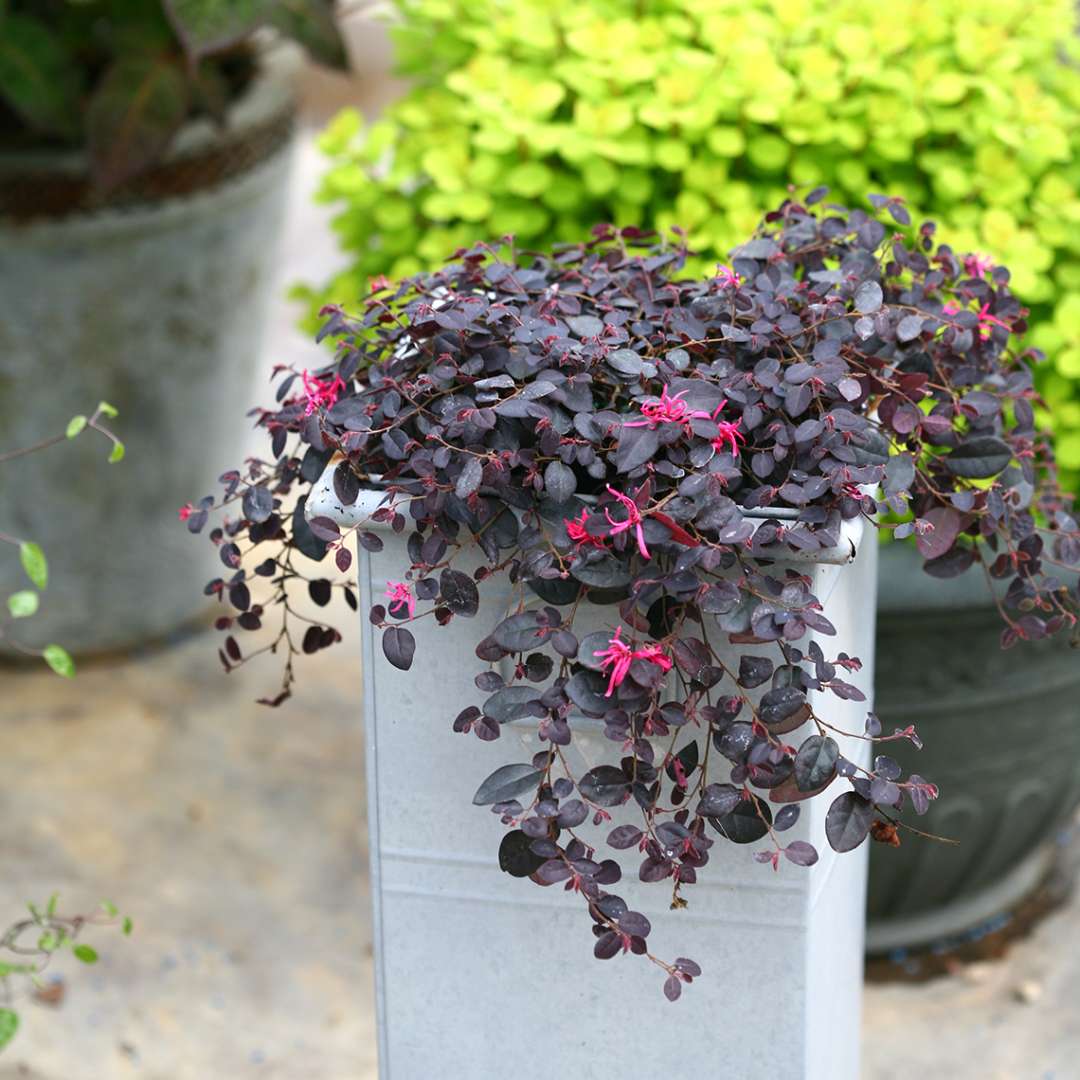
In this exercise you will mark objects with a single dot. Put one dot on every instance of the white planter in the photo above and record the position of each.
(463, 992)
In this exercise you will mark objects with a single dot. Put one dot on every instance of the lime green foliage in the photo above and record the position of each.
(541, 119)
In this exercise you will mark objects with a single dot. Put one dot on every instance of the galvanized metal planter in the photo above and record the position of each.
(455, 955)
(156, 307)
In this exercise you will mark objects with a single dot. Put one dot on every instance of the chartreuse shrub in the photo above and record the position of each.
(541, 119)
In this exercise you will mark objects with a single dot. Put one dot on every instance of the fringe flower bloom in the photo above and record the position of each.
(668, 410)
(618, 656)
(575, 529)
(320, 394)
(616, 659)
(726, 276)
(655, 655)
(399, 595)
(633, 520)
(728, 436)
(987, 322)
(977, 265)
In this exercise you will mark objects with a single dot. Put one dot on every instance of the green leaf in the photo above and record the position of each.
(208, 26)
(86, 954)
(311, 23)
(50, 908)
(22, 603)
(117, 452)
(37, 77)
(107, 410)
(9, 1024)
(127, 925)
(34, 563)
(58, 659)
(109, 908)
(7, 969)
(133, 114)
(75, 425)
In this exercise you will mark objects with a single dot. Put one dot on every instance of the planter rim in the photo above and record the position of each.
(267, 105)
(323, 502)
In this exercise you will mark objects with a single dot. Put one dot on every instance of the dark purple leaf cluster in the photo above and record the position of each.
(605, 431)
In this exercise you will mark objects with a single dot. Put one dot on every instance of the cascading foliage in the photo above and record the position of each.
(603, 429)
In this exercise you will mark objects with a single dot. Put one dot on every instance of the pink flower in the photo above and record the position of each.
(668, 410)
(655, 655)
(977, 265)
(726, 276)
(633, 520)
(618, 657)
(400, 595)
(987, 322)
(951, 309)
(680, 772)
(320, 394)
(186, 511)
(728, 434)
(575, 529)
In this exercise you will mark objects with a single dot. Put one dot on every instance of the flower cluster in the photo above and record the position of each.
(320, 393)
(605, 435)
(618, 656)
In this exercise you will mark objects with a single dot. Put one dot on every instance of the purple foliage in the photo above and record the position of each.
(605, 430)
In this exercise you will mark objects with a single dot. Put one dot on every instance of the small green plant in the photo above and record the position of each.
(25, 602)
(542, 119)
(120, 77)
(28, 946)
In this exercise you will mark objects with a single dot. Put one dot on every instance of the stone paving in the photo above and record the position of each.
(235, 836)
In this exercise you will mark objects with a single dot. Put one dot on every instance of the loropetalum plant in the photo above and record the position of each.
(602, 430)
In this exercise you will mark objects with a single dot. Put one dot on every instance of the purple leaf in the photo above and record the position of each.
(801, 853)
(398, 647)
(944, 526)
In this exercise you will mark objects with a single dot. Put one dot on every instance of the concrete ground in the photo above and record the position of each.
(235, 836)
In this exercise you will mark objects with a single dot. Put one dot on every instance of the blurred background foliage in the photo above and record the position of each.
(542, 119)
